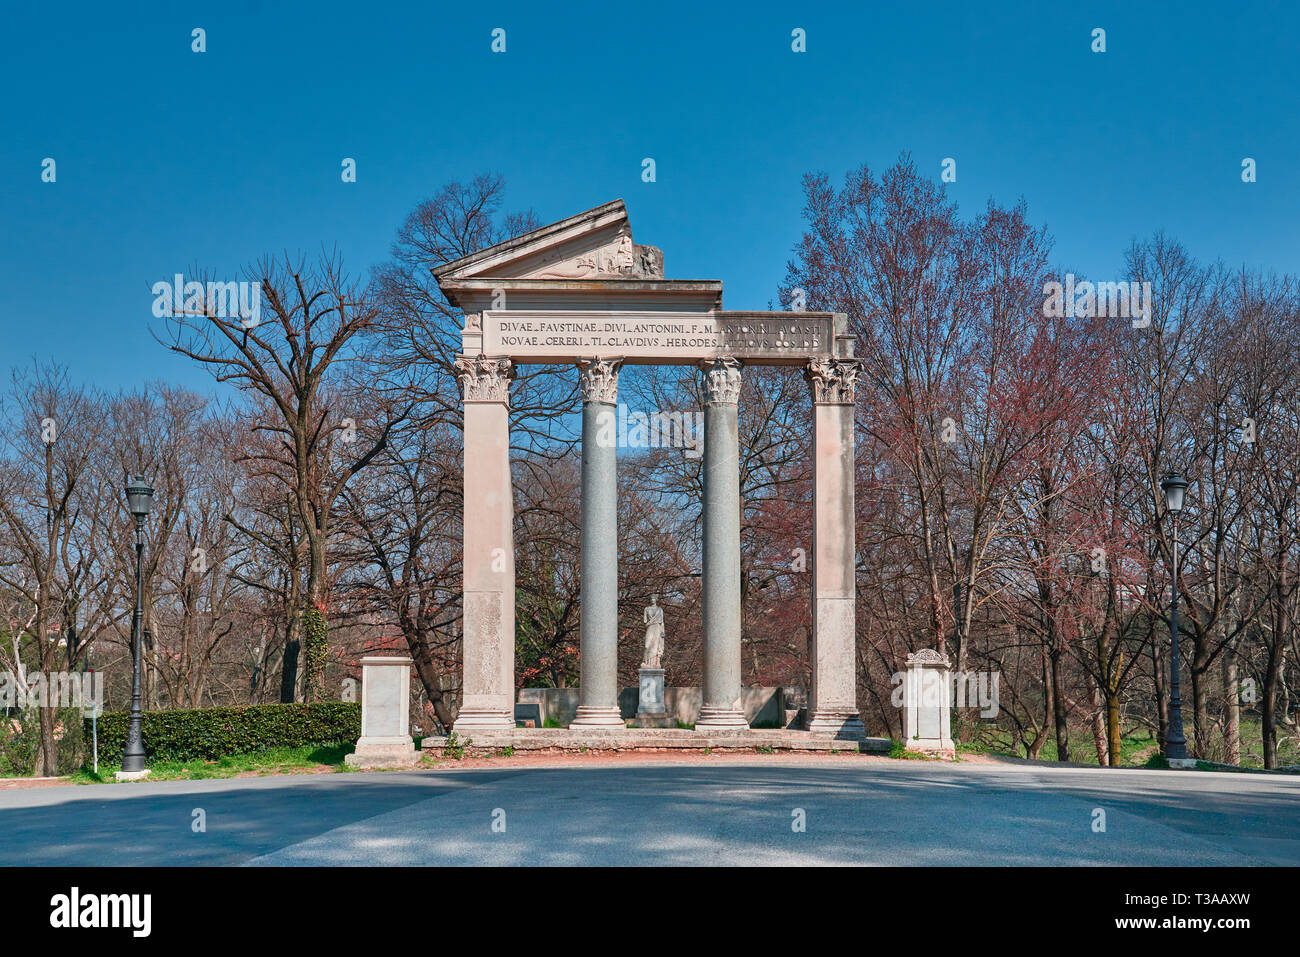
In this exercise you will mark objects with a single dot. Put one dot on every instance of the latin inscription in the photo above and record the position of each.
(653, 338)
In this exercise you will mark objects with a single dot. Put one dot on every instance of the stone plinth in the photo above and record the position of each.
(632, 739)
(385, 715)
(652, 692)
(927, 704)
(651, 710)
(763, 706)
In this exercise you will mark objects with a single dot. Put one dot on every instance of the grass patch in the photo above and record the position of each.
(1138, 748)
(309, 758)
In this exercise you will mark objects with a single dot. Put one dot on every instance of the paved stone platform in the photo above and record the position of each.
(565, 739)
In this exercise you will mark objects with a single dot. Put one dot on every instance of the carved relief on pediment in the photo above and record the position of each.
(618, 259)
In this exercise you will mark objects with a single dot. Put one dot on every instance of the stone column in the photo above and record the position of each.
(598, 689)
(721, 710)
(832, 702)
(488, 696)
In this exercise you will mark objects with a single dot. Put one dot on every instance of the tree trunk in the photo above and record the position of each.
(1274, 663)
(148, 672)
(289, 670)
(1099, 738)
(1269, 723)
(1037, 747)
(1200, 711)
(432, 681)
(1058, 708)
(1162, 700)
(315, 630)
(1112, 728)
(1110, 667)
(1231, 708)
(47, 764)
(314, 652)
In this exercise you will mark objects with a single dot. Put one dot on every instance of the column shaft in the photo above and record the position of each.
(488, 644)
(722, 709)
(832, 702)
(598, 689)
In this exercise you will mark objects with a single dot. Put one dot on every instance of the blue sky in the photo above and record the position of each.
(168, 159)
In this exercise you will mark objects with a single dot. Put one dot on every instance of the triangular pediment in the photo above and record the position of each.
(596, 244)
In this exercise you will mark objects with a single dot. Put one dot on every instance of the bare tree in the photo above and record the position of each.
(54, 563)
(318, 325)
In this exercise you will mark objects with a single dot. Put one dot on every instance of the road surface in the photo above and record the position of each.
(760, 809)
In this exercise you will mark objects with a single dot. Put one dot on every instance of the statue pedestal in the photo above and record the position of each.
(385, 714)
(651, 711)
(927, 704)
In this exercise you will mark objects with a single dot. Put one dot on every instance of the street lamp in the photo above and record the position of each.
(1174, 485)
(139, 496)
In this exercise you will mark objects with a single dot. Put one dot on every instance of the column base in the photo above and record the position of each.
(845, 725)
(386, 752)
(483, 719)
(721, 719)
(131, 775)
(598, 716)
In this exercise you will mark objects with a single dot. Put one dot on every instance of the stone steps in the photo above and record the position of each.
(628, 739)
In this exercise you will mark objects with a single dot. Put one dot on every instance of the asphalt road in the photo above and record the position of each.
(732, 811)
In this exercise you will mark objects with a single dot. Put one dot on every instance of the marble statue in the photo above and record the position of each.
(654, 634)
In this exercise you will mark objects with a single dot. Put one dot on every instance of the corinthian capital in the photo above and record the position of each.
(598, 380)
(832, 380)
(484, 379)
(721, 380)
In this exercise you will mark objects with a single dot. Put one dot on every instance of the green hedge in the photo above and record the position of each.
(216, 732)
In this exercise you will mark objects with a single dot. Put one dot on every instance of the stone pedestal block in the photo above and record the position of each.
(651, 710)
(927, 703)
(385, 715)
(652, 692)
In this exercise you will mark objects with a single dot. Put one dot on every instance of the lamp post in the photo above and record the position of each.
(139, 496)
(1174, 485)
